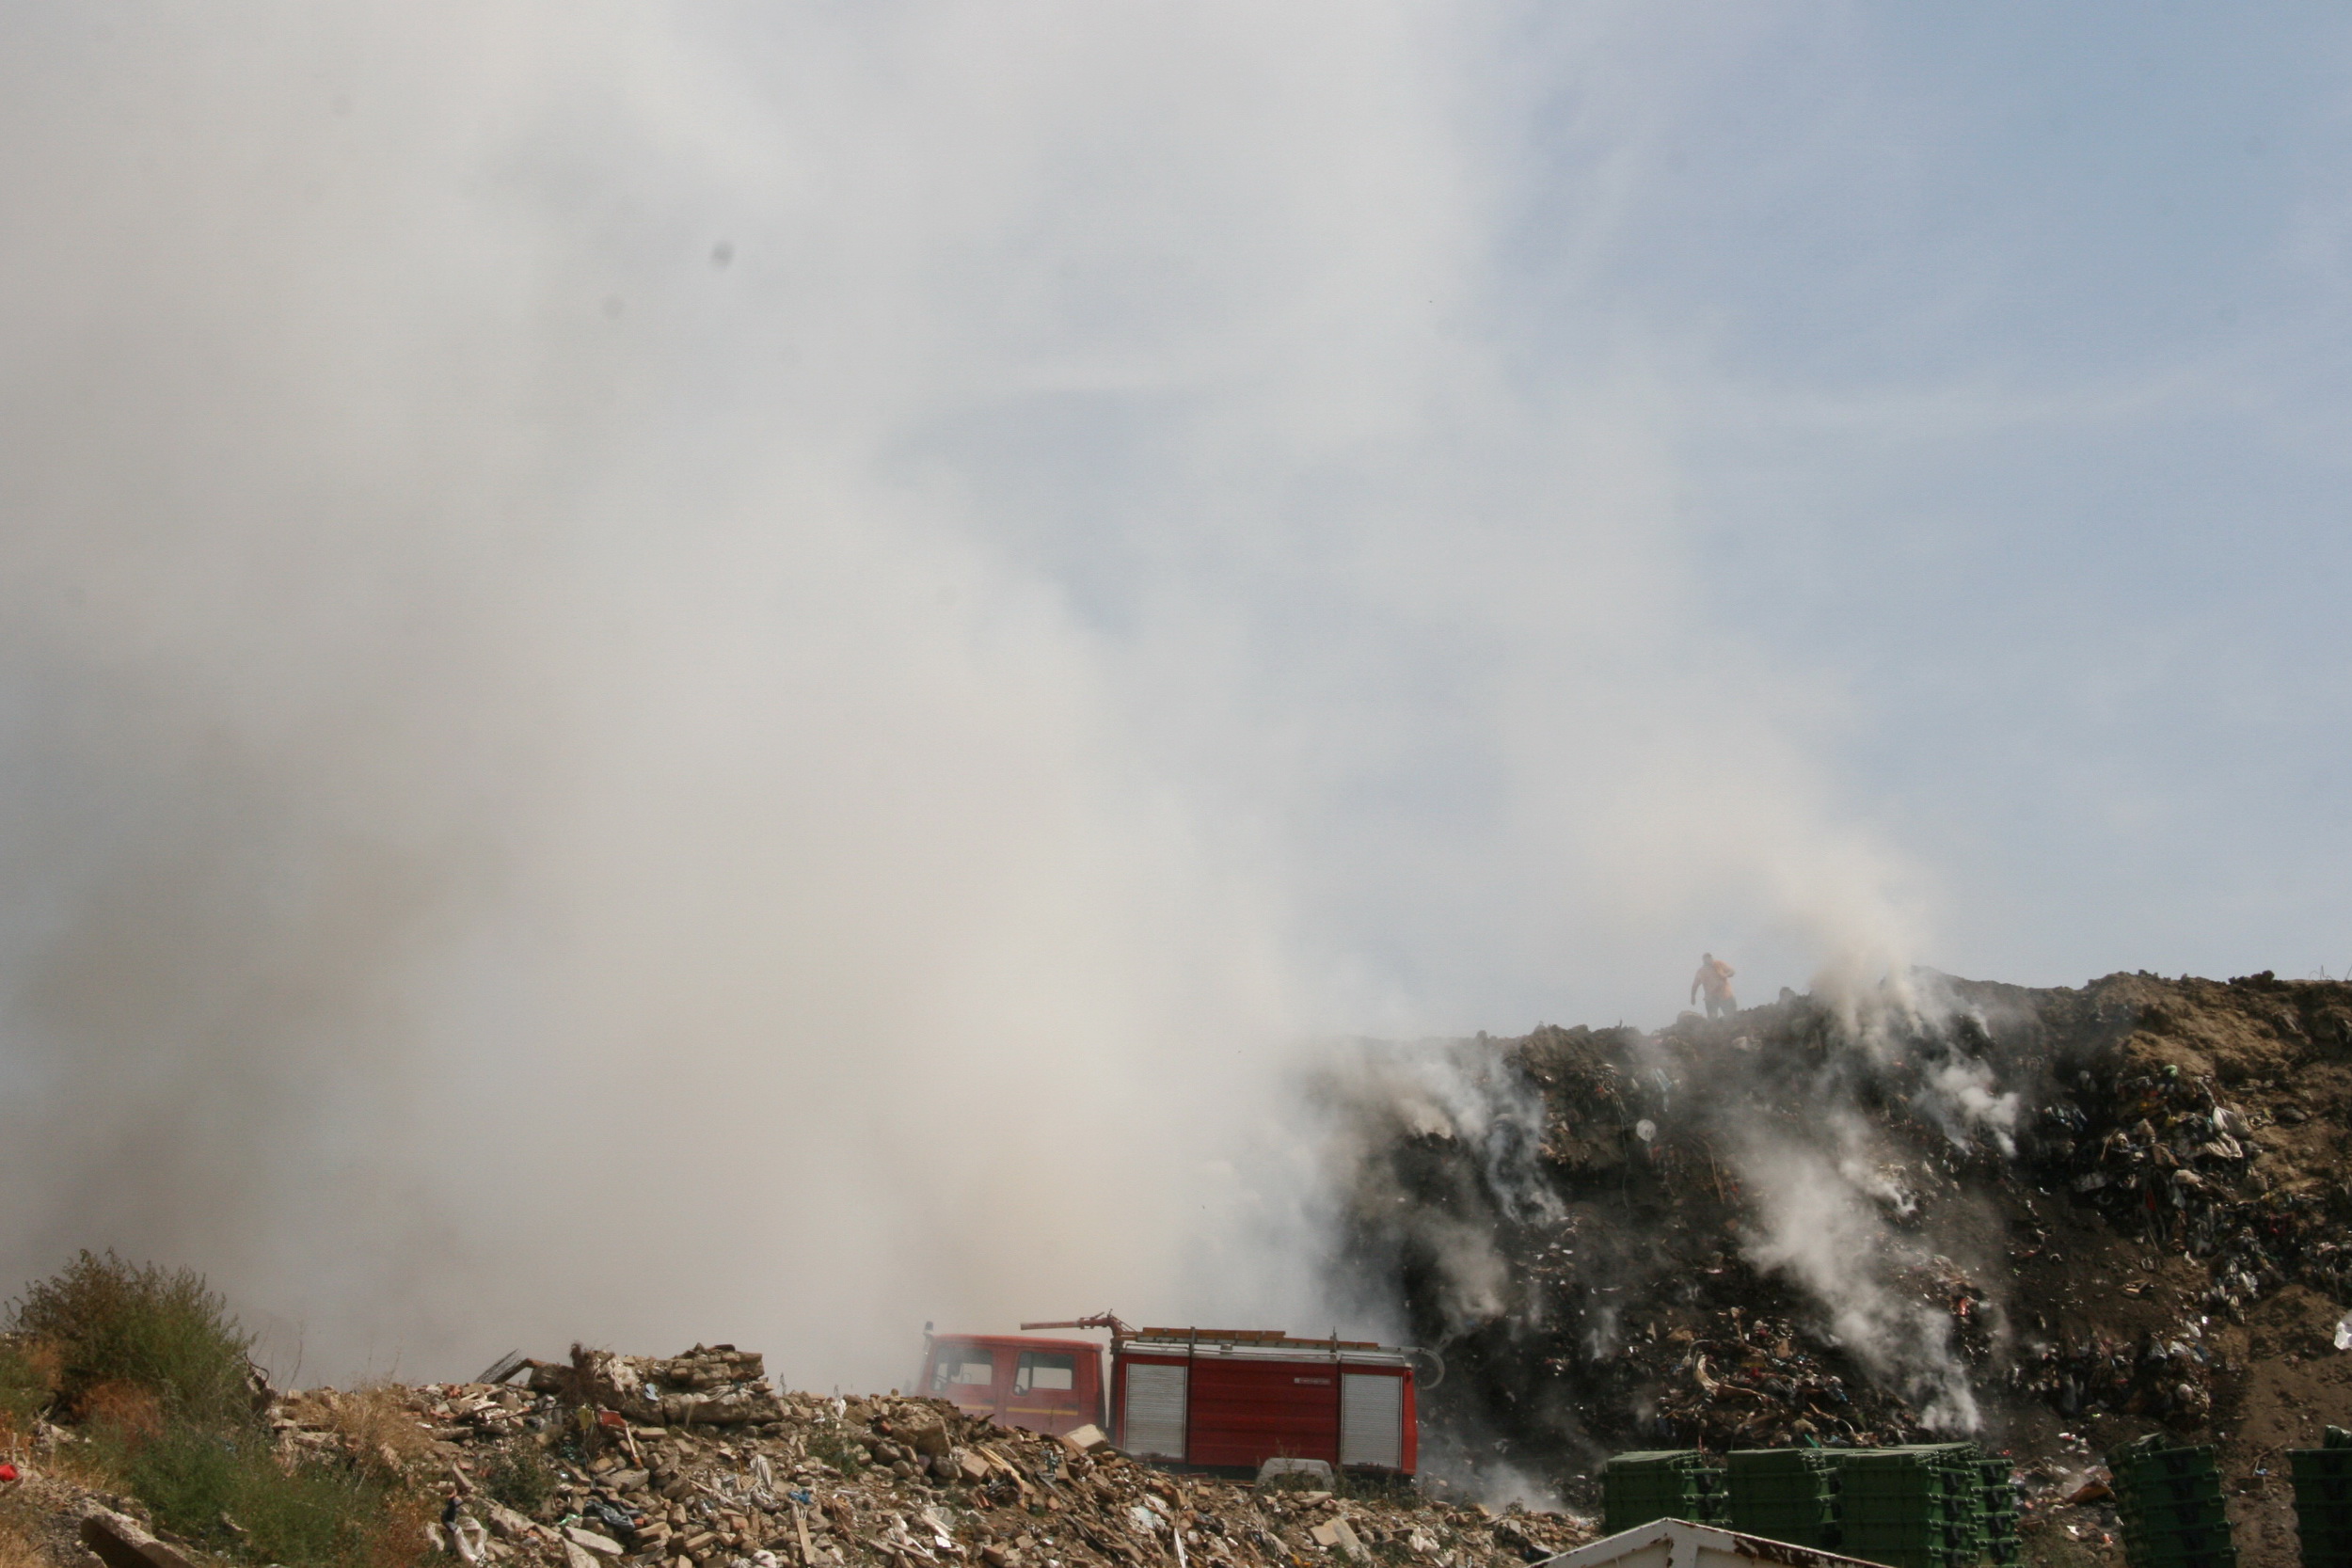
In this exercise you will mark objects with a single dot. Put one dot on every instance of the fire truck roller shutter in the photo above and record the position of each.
(1371, 1420)
(1156, 1411)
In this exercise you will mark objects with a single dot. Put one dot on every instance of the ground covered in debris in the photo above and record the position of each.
(696, 1461)
(2049, 1219)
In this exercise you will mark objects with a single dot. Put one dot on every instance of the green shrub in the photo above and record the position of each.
(228, 1491)
(520, 1478)
(150, 1361)
(163, 1330)
(25, 1383)
(836, 1449)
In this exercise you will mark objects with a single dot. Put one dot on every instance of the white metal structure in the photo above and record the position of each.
(1679, 1544)
(1372, 1420)
(1155, 1412)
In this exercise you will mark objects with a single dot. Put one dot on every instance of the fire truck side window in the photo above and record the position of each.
(1039, 1369)
(962, 1367)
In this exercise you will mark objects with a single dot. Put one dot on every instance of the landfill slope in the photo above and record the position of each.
(2047, 1219)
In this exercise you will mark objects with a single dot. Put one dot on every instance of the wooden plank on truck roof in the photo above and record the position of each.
(1251, 1336)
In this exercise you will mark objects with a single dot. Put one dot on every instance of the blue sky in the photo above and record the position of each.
(1986, 364)
(2032, 386)
(1996, 360)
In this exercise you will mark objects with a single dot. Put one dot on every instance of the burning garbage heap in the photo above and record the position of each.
(1946, 1208)
(696, 1461)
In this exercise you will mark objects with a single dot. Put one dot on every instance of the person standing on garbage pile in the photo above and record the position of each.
(1714, 979)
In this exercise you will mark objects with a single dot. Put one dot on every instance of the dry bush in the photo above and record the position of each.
(31, 1372)
(17, 1548)
(125, 1411)
(375, 1421)
(94, 1464)
(398, 1540)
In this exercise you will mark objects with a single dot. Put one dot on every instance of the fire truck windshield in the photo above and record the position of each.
(963, 1365)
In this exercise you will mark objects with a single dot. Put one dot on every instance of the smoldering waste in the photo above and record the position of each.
(1944, 1209)
(696, 1461)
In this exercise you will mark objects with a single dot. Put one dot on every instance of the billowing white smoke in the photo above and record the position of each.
(531, 808)
(1960, 1096)
(1910, 1020)
(731, 673)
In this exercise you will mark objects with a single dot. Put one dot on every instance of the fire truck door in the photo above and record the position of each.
(1045, 1391)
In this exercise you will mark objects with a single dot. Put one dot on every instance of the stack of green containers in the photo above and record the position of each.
(1786, 1495)
(2169, 1501)
(2323, 1499)
(2000, 1513)
(1676, 1483)
(1919, 1506)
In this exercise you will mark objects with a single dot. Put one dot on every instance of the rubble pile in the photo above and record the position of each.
(561, 1474)
(712, 1386)
(2030, 1218)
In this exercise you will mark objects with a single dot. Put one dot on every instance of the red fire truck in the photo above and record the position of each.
(1198, 1398)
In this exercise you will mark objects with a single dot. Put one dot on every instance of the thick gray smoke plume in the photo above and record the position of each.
(732, 674)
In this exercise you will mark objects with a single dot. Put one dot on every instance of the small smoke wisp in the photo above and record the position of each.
(1819, 1222)
(1373, 1097)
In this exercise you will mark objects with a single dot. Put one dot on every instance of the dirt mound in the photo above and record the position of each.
(2047, 1219)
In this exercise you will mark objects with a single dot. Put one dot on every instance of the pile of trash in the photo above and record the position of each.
(1730, 1378)
(696, 1461)
(1946, 1208)
(710, 1386)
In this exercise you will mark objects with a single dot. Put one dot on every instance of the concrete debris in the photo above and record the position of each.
(1336, 1534)
(1317, 1472)
(121, 1542)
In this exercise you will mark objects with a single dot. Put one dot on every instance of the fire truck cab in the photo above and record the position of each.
(1048, 1385)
